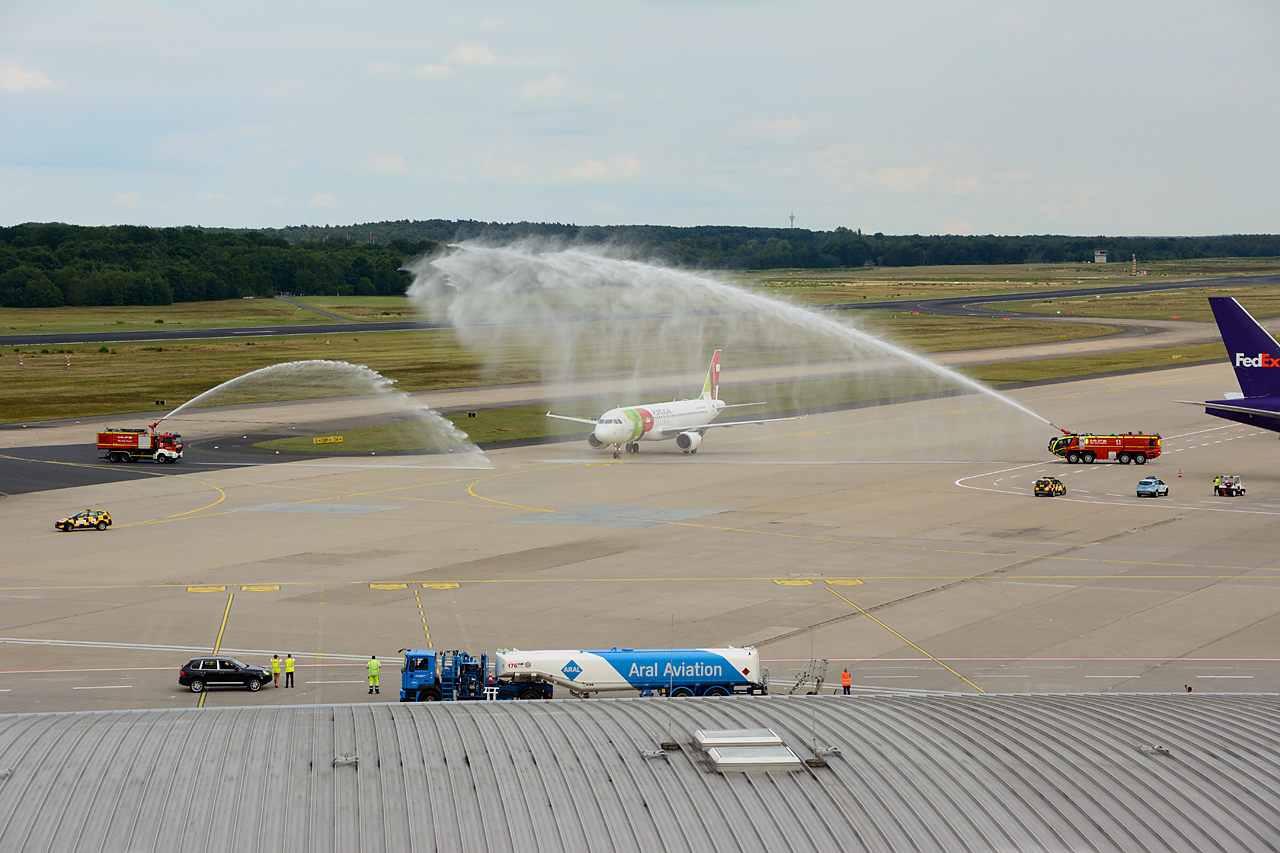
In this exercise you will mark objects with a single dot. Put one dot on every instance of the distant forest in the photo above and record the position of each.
(738, 248)
(46, 266)
(49, 265)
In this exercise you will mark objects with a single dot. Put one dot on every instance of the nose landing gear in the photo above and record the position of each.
(616, 452)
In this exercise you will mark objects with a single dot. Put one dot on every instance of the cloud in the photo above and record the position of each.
(472, 54)
(926, 177)
(213, 197)
(837, 161)
(385, 164)
(435, 71)
(553, 85)
(956, 225)
(275, 201)
(323, 200)
(897, 179)
(376, 67)
(781, 126)
(15, 78)
(127, 199)
(623, 166)
(1081, 199)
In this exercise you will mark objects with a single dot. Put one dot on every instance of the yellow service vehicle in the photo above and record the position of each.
(1049, 487)
(96, 518)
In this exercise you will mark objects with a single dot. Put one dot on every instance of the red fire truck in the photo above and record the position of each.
(134, 445)
(1126, 448)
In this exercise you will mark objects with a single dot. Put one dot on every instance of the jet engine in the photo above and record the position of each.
(689, 441)
(595, 443)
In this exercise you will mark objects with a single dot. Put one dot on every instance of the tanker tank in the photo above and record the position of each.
(683, 672)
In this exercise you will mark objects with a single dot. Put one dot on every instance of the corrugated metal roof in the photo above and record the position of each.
(947, 773)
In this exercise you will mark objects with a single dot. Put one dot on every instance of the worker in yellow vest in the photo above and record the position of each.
(374, 666)
(846, 680)
(288, 670)
(275, 669)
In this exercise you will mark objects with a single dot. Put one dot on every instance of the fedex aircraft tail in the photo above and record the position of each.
(1253, 352)
(711, 387)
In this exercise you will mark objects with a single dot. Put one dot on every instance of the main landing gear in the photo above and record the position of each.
(632, 447)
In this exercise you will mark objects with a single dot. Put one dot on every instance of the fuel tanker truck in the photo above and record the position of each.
(429, 676)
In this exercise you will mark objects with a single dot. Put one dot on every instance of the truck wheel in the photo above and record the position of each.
(529, 693)
(715, 691)
(253, 684)
(197, 686)
(1140, 458)
(1088, 457)
(102, 525)
(428, 696)
(1073, 457)
(1123, 458)
(681, 692)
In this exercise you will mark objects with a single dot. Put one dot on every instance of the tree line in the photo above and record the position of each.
(733, 247)
(48, 265)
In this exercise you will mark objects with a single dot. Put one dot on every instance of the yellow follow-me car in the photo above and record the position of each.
(96, 518)
(1050, 487)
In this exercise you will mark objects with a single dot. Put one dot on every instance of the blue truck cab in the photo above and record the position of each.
(449, 676)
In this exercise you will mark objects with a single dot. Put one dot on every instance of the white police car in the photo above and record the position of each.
(1152, 487)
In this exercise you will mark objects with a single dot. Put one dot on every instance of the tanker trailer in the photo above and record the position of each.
(681, 672)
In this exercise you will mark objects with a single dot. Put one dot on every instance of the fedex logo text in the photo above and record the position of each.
(1263, 360)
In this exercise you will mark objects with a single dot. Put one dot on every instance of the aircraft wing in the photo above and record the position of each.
(575, 420)
(1265, 413)
(676, 430)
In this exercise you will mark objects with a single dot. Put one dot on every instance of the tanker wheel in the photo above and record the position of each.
(715, 691)
(1140, 458)
(1073, 458)
(681, 692)
(529, 693)
(1123, 458)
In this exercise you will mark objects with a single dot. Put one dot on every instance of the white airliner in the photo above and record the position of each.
(683, 420)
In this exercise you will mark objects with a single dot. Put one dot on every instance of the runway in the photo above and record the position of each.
(899, 541)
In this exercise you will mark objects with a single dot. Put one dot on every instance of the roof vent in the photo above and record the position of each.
(711, 738)
(733, 759)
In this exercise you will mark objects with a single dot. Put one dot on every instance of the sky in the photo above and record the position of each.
(1135, 118)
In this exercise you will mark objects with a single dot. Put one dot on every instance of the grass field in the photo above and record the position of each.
(822, 287)
(184, 315)
(1259, 301)
(366, 309)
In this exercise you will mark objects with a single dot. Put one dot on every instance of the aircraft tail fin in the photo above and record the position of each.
(1254, 353)
(711, 387)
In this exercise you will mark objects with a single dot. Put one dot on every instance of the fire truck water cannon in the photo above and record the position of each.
(1123, 448)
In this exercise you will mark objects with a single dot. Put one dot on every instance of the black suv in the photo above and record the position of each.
(199, 673)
